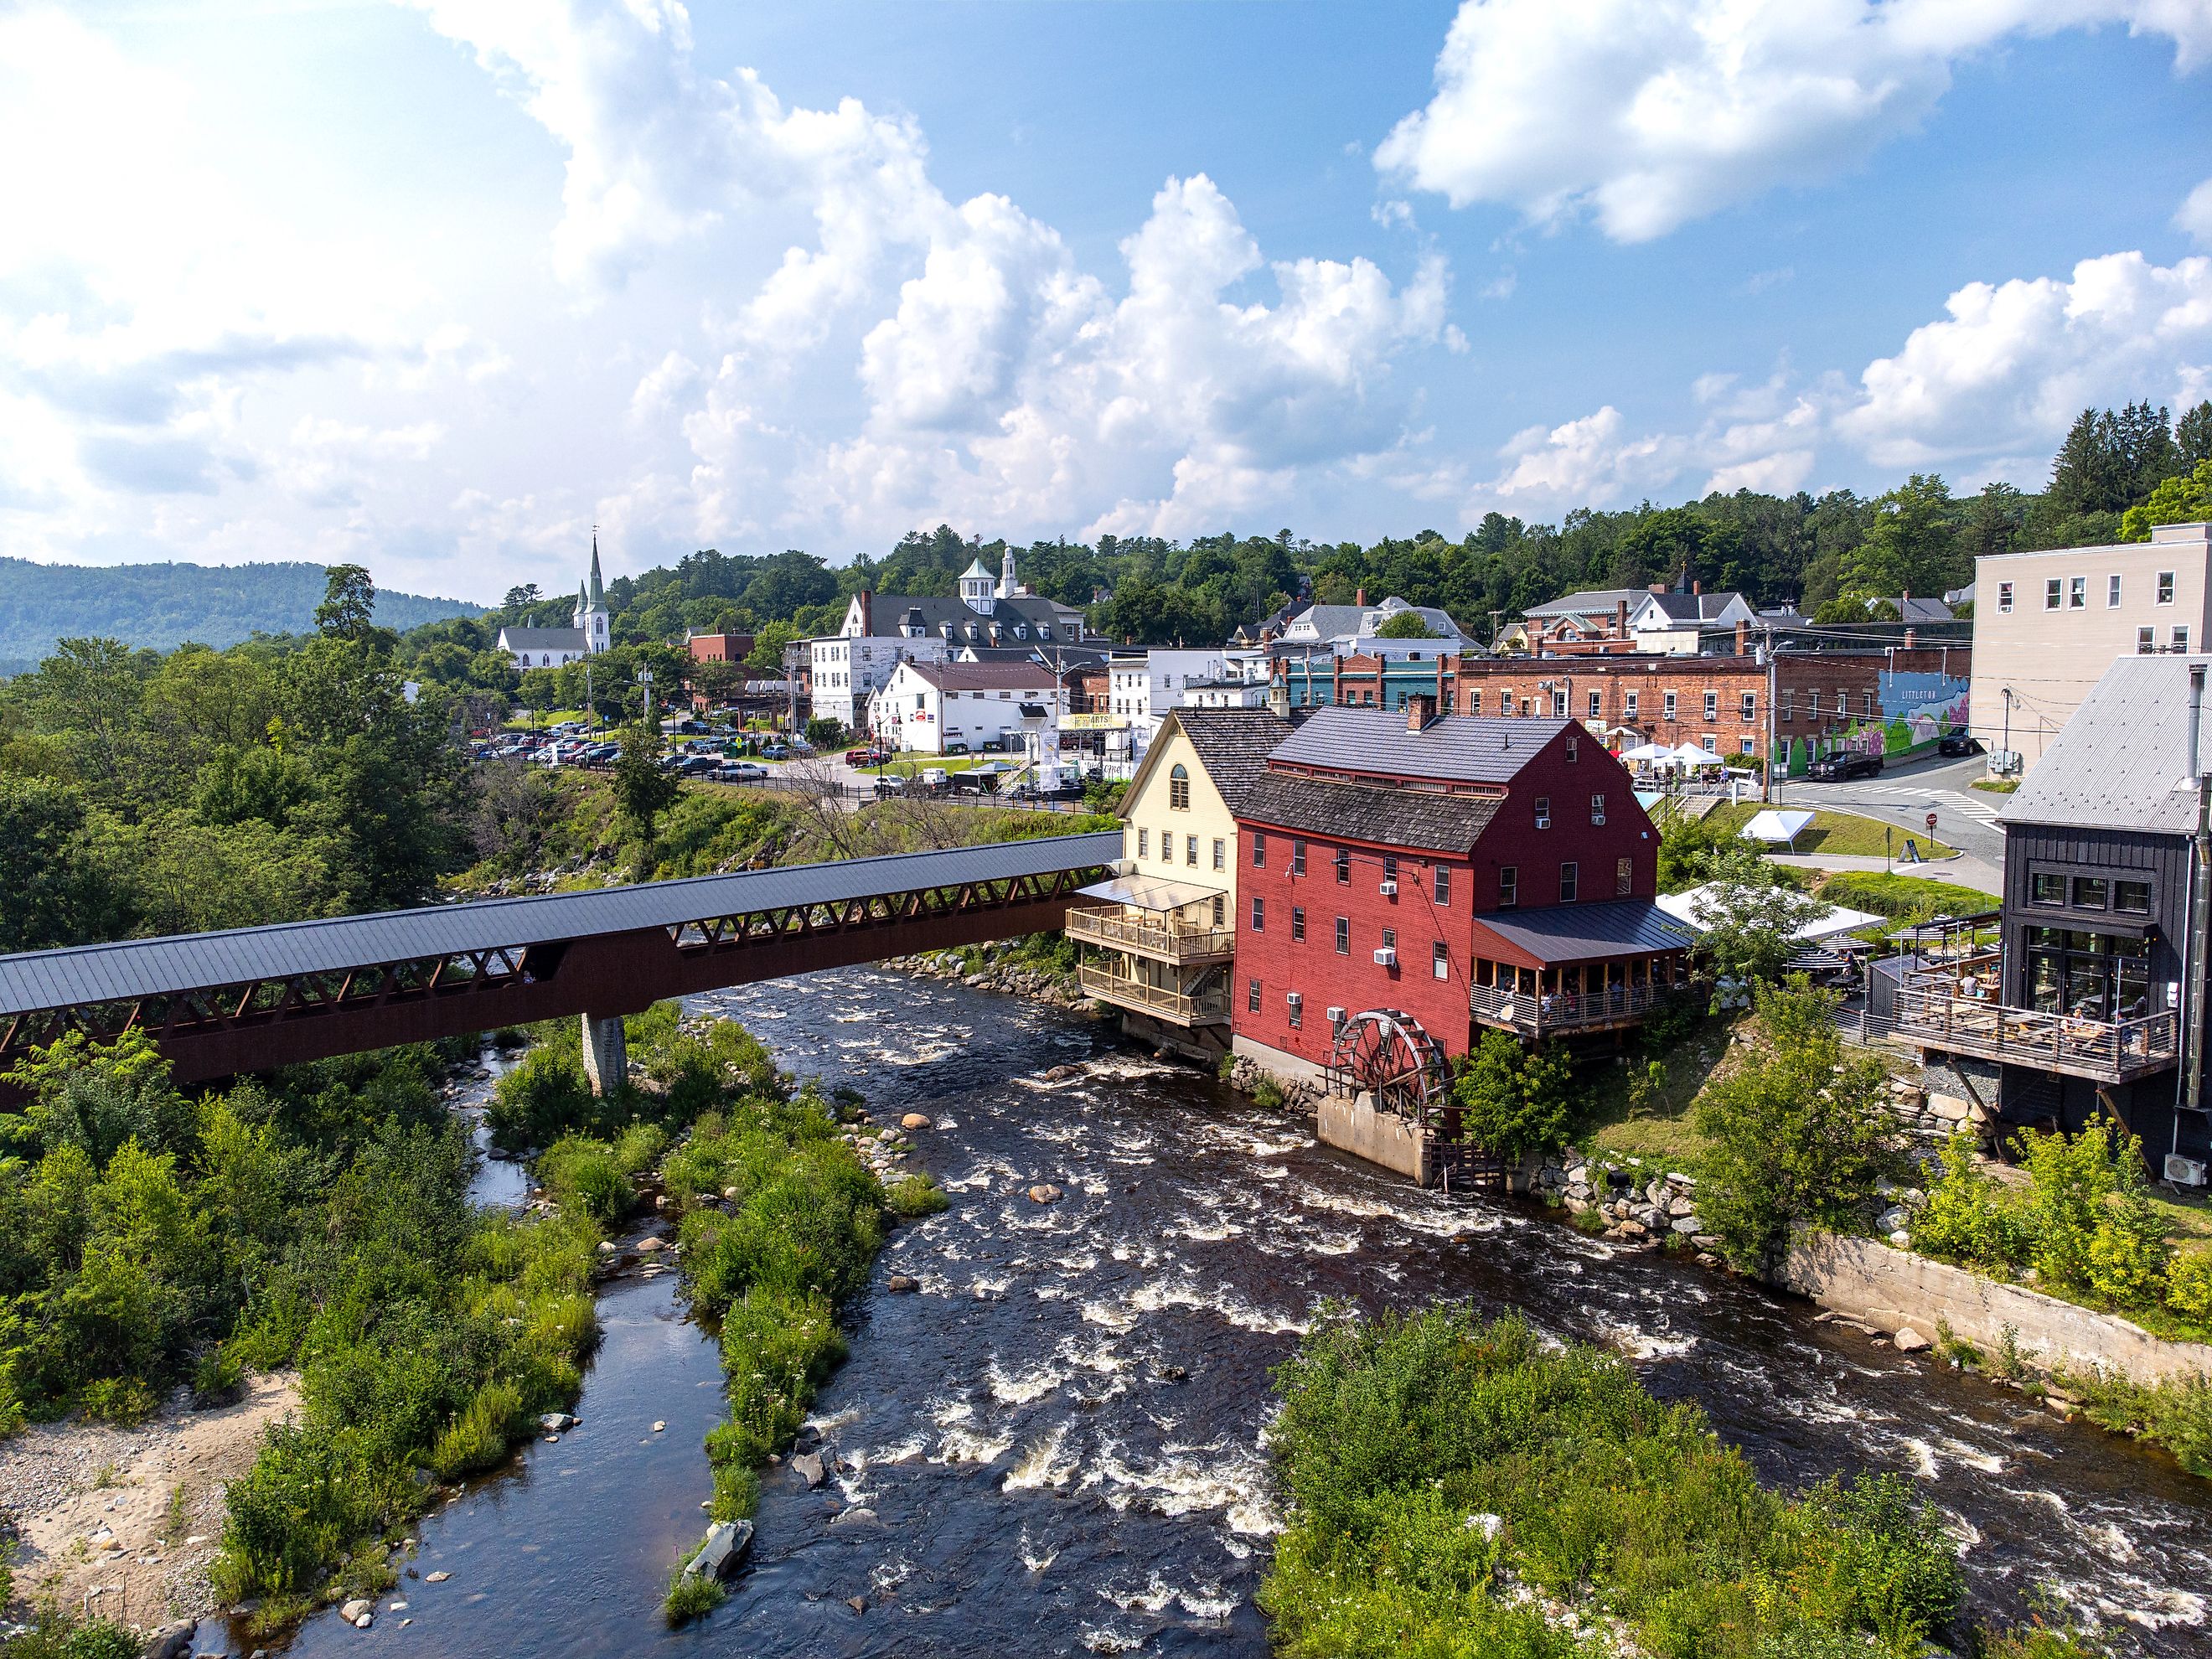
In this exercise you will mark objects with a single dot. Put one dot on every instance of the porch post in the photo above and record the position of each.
(606, 1054)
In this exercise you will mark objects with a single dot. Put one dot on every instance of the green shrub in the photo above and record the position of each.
(914, 1196)
(1513, 1100)
(1418, 1458)
(1800, 1131)
(690, 1595)
(2177, 1415)
(588, 1176)
(1968, 1217)
(2188, 1285)
(479, 1436)
(122, 1400)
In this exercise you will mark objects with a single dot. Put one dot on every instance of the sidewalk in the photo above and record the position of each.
(1965, 870)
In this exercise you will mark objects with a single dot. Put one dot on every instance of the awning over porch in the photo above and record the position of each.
(1564, 935)
(1149, 892)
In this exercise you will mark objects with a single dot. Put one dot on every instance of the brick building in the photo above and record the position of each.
(1464, 871)
(1795, 705)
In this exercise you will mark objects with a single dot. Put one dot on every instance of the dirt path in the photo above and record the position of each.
(128, 1519)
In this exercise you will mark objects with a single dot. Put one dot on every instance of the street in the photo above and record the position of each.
(1905, 795)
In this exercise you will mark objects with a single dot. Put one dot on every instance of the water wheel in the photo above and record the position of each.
(1393, 1060)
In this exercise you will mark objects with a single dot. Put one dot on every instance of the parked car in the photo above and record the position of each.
(774, 751)
(933, 777)
(737, 771)
(864, 755)
(1958, 743)
(1834, 769)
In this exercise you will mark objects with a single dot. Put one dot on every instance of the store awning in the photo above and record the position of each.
(1149, 892)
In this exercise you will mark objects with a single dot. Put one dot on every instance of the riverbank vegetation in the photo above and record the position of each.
(1455, 1487)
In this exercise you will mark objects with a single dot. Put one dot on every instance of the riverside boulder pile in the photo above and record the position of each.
(995, 967)
(1637, 1202)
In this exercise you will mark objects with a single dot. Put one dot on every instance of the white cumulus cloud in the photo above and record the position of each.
(1645, 114)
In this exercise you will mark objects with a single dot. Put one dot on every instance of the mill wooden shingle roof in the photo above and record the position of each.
(1357, 812)
(1233, 745)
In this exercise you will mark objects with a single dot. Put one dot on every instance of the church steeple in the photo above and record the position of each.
(591, 617)
(596, 594)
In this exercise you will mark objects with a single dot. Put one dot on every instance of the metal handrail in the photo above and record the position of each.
(1562, 1011)
(2035, 1036)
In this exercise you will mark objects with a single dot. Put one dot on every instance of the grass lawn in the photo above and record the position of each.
(1845, 835)
(1659, 1128)
(540, 722)
(907, 765)
(1995, 786)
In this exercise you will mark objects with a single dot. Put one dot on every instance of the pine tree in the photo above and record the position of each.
(2085, 474)
(1993, 522)
(2146, 449)
(2192, 436)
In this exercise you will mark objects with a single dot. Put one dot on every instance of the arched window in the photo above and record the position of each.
(1179, 788)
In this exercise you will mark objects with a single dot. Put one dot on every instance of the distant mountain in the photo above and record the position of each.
(162, 606)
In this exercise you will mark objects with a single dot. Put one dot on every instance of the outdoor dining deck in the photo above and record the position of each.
(2104, 1051)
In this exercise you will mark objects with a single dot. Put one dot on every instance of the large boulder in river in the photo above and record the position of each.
(1044, 1193)
(914, 1121)
(807, 1466)
(725, 1546)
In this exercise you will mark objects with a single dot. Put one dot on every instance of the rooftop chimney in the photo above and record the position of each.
(1360, 597)
(1621, 619)
(1696, 587)
(1658, 587)
(1909, 634)
(867, 613)
(1420, 709)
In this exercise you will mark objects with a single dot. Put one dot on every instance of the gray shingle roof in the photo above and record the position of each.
(1453, 749)
(1589, 602)
(542, 639)
(1233, 745)
(1359, 812)
(1693, 607)
(1588, 933)
(132, 969)
(2113, 766)
(986, 676)
(892, 613)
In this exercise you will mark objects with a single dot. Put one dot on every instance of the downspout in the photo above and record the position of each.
(2200, 901)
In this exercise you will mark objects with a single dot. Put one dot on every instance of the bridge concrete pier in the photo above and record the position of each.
(606, 1052)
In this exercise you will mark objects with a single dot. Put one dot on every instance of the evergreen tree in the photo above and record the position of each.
(2147, 452)
(1993, 522)
(2192, 436)
(2089, 474)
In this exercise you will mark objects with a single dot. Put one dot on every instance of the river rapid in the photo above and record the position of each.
(1062, 1434)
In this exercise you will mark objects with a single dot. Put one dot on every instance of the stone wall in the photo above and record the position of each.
(1900, 1292)
(1355, 1127)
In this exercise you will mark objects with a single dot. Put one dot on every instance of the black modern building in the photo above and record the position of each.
(2090, 1000)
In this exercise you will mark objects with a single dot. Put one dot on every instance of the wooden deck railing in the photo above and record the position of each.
(2106, 1051)
(1152, 998)
(1544, 1011)
(1178, 943)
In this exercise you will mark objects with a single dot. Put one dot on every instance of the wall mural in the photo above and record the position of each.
(1913, 710)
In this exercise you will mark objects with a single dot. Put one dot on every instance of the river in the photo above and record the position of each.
(1062, 1433)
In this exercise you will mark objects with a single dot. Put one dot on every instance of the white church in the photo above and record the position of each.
(556, 648)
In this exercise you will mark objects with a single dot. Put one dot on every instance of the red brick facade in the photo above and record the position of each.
(1293, 883)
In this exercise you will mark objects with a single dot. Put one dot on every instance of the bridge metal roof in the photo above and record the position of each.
(130, 968)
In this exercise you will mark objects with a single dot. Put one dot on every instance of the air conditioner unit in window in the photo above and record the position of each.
(1543, 820)
(1296, 1000)
(1336, 1016)
(2184, 1171)
(1389, 890)
(1387, 956)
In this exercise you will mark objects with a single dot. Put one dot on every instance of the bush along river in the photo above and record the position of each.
(1055, 1442)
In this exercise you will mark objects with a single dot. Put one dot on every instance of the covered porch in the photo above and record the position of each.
(1575, 968)
(1156, 948)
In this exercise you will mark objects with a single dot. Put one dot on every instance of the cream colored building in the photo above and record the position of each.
(1159, 939)
(2048, 624)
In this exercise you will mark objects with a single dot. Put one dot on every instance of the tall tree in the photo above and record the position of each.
(2089, 474)
(2192, 436)
(349, 608)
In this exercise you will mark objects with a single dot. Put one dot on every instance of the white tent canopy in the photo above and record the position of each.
(1689, 908)
(1777, 828)
(1690, 755)
(1648, 751)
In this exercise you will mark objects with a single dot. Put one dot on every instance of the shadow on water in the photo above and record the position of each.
(1061, 1434)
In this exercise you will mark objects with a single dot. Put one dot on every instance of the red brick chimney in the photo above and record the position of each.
(1420, 709)
(1909, 634)
(867, 613)
(1621, 619)
(1658, 587)
(1742, 637)
(1360, 597)
(1696, 586)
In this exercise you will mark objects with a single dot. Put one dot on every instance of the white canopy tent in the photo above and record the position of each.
(1689, 908)
(1648, 751)
(1777, 828)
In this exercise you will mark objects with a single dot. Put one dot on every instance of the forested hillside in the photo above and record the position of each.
(160, 606)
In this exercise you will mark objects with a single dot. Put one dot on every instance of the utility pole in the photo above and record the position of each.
(2006, 693)
(2200, 901)
(645, 690)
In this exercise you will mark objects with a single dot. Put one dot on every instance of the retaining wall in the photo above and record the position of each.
(1892, 1288)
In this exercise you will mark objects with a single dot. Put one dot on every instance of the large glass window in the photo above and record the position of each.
(2088, 975)
(2046, 889)
(2131, 897)
(2089, 892)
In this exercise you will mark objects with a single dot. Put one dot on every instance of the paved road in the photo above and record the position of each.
(1904, 795)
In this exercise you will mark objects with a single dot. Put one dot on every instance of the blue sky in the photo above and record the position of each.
(437, 286)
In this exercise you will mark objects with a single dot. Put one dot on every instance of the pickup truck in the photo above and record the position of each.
(1834, 769)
